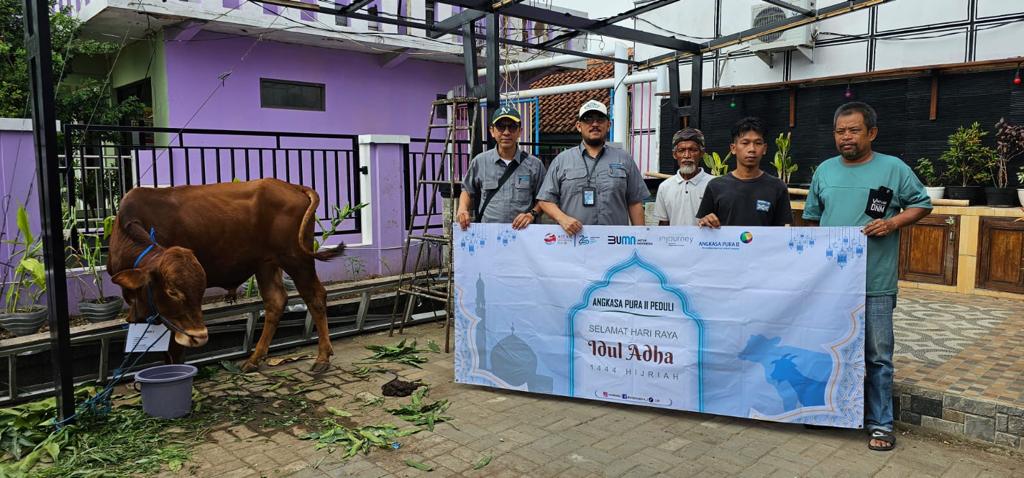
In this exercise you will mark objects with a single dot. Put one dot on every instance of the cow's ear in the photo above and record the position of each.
(175, 294)
(131, 279)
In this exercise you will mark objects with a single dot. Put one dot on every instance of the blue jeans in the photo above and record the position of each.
(878, 347)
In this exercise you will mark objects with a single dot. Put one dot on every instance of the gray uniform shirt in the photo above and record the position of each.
(613, 174)
(516, 195)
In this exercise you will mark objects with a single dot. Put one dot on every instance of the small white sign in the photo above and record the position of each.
(155, 338)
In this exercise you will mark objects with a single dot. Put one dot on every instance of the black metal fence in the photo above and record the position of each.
(436, 171)
(108, 161)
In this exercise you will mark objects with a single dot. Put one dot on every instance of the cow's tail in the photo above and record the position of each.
(307, 219)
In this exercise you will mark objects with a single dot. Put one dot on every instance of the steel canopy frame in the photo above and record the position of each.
(790, 23)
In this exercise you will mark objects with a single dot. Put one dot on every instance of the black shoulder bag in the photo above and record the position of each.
(511, 168)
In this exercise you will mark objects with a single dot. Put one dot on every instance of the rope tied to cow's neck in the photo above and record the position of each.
(155, 315)
(100, 403)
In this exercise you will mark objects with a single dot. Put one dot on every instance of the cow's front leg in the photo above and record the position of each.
(315, 296)
(274, 298)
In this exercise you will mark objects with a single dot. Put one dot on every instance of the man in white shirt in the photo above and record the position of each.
(679, 196)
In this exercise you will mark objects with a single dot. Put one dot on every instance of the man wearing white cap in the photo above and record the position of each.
(592, 183)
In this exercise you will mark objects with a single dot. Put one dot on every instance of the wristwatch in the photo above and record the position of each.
(534, 213)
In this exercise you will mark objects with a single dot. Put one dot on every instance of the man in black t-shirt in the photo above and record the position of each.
(746, 196)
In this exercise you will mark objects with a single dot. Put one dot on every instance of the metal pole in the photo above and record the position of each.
(696, 89)
(493, 73)
(673, 95)
(44, 128)
(472, 84)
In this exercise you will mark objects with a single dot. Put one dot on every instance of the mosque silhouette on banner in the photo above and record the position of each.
(511, 358)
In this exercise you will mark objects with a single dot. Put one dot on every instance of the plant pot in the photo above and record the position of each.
(95, 312)
(1020, 196)
(935, 192)
(24, 323)
(1000, 197)
(166, 390)
(971, 193)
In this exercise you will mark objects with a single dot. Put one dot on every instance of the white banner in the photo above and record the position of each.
(755, 322)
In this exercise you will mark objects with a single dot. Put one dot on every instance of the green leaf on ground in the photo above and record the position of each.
(338, 412)
(402, 353)
(419, 412)
(419, 466)
(482, 462)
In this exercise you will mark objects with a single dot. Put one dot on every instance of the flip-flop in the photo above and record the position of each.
(883, 436)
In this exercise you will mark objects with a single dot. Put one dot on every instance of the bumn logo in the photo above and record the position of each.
(624, 240)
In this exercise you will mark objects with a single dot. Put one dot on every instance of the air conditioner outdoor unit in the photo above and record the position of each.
(800, 39)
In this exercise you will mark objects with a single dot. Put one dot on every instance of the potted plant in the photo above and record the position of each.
(1009, 144)
(21, 316)
(1020, 185)
(716, 165)
(967, 161)
(88, 255)
(926, 171)
(783, 162)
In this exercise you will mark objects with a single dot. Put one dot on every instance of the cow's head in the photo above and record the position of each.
(173, 282)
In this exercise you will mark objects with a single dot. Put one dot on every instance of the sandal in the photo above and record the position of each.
(883, 436)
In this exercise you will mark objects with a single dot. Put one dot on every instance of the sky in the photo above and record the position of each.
(595, 9)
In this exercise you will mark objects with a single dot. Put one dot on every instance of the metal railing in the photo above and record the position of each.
(108, 161)
(233, 329)
(413, 153)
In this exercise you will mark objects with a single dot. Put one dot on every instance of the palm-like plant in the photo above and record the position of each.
(783, 163)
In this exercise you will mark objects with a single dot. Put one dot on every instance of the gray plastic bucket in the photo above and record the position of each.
(166, 390)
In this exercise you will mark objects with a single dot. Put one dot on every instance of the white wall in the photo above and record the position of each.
(869, 40)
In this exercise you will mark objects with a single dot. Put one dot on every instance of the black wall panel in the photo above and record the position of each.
(903, 107)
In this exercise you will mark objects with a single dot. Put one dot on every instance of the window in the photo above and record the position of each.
(293, 95)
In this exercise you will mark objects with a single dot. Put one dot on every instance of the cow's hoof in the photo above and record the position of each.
(248, 367)
(320, 367)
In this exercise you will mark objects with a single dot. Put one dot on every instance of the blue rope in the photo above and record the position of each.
(99, 404)
(152, 244)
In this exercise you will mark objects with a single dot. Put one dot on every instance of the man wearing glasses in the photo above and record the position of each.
(505, 180)
(679, 196)
(592, 183)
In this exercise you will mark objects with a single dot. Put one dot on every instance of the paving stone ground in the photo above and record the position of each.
(537, 436)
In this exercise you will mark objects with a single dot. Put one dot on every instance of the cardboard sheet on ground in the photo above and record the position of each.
(764, 323)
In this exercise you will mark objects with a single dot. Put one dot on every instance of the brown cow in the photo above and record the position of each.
(218, 235)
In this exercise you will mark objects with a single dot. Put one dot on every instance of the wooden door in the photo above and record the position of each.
(928, 250)
(1001, 255)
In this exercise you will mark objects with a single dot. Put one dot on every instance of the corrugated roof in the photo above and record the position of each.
(558, 112)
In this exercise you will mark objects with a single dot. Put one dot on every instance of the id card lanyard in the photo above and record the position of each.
(589, 191)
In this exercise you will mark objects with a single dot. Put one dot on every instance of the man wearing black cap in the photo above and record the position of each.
(592, 183)
(679, 196)
(505, 180)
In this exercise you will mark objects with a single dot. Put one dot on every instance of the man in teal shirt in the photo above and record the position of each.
(841, 191)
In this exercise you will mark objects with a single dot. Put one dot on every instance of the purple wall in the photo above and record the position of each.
(17, 180)
(362, 97)
(382, 257)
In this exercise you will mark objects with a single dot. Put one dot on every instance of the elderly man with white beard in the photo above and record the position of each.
(679, 197)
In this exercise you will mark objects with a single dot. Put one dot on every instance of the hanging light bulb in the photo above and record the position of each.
(849, 93)
(732, 103)
(1016, 78)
